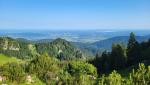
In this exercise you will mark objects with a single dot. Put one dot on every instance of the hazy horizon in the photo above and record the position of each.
(84, 36)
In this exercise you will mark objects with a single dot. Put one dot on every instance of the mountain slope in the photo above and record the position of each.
(14, 47)
(107, 43)
(25, 49)
(61, 49)
(120, 39)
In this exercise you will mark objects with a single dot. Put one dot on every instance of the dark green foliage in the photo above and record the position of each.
(102, 62)
(118, 57)
(133, 50)
(121, 57)
(109, 61)
(145, 50)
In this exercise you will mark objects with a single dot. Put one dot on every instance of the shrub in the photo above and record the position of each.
(13, 72)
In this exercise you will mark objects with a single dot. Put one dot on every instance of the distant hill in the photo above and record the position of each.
(19, 48)
(61, 49)
(107, 43)
(23, 40)
(25, 49)
(43, 41)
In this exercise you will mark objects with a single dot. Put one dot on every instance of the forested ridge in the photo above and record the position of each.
(61, 63)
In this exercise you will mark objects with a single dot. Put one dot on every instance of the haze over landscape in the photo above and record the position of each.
(73, 19)
(74, 42)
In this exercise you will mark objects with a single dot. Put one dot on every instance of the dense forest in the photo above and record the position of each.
(61, 63)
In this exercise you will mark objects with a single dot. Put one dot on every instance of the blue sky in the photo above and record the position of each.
(74, 14)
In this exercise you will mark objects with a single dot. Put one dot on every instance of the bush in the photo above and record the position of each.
(141, 76)
(82, 73)
(13, 72)
(113, 79)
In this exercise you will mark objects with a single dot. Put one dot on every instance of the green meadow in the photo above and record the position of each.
(6, 59)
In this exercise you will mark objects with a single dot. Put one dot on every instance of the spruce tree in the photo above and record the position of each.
(118, 58)
(133, 51)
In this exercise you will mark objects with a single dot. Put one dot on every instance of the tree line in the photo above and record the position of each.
(122, 56)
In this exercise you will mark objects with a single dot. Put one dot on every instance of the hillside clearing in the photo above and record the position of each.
(5, 59)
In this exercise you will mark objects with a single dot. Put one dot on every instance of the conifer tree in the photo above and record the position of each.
(133, 51)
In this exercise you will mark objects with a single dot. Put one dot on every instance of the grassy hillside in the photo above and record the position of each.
(5, 59)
